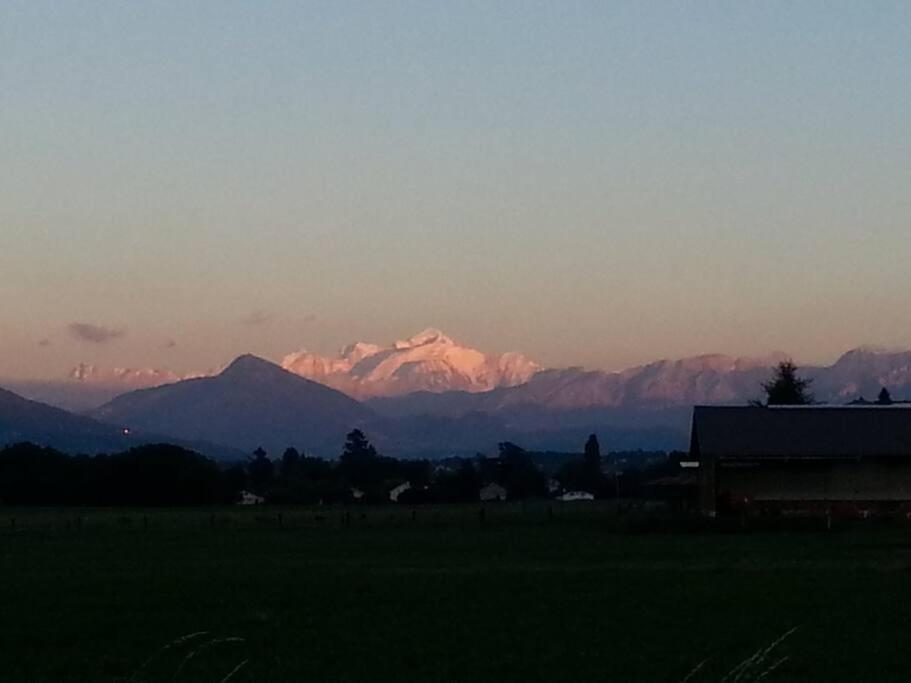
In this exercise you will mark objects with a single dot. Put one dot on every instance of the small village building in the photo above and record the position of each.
(398, 491)
(492, 492)
(801, 457)
(250, 498)
(572, 496)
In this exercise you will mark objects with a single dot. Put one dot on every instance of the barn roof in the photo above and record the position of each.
(801, 431)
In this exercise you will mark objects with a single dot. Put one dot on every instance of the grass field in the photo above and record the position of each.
(98, 595)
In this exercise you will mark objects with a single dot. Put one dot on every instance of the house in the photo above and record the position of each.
(492, 492)
(249, 498)
(807, 457)
(572, 496)
(398, 491)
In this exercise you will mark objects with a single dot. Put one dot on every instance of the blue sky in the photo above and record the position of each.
(591, 183)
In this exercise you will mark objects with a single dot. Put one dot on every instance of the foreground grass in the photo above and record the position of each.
(97, 595)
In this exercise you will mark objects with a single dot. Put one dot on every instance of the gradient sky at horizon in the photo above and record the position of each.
(596, 184)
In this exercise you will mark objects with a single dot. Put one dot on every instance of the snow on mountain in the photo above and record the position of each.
(862, 373)
(664, 383)
(86, 386)
(130, 377)
(671, 384)
(429, 361)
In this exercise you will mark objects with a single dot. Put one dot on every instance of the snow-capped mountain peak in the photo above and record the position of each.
(136, 377)
(354, 353)
(428, 361)
(429, 336)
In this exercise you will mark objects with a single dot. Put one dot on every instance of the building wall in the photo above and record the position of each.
(863, 480)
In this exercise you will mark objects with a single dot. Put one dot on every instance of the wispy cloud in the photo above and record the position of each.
(257, 318)
(96, 334)
(310, 318)
(44, 342)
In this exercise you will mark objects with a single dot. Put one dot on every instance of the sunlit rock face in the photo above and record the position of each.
(428, 361)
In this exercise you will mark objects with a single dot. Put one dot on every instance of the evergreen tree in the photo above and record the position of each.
(885, 398)
(518, 474)
(290, 464)
(360, 465)
(593, 455)
(260, 469)
(786, 388)
(357, 448)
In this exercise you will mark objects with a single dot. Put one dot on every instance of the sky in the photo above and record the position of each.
(597, 184)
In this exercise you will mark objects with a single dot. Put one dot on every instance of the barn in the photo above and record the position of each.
(801, 457)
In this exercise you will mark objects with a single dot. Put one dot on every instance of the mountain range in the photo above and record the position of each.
(430, 396)
(428, 361)
(423, 370)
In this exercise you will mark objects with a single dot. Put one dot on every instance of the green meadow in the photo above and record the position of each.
(526, 594)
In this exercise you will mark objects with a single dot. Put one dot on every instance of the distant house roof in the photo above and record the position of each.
(801, 431)
(493, 491)
(394, 493)
(571, 496)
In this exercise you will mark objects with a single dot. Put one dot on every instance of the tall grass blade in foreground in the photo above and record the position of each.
(235, 671)
(170, 646)
(205, 646)
(750, 668)
(696, 670)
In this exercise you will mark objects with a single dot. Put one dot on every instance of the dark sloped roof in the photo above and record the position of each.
(806, 431)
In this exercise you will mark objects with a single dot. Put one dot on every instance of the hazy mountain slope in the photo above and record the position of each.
(665, 384)
(87, 387)
(863, 372)
(24, 420)
(430, 436)
(74, 397)
(429, 361)
(251, 403)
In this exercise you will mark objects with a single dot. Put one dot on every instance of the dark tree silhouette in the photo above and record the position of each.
(584, 474)
(357, 447)
(786, 388)
(361, 466)
(593, 454)
(458, 486)
(517, 472)
(158, 474)
(260, 469)
(290, 464)
(885, 398)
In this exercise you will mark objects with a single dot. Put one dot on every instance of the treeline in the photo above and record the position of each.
(167, 475)
(155, 475)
